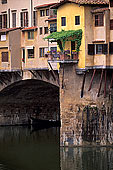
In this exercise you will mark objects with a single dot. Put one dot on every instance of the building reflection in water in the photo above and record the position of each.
(23, 149)
(87, 158)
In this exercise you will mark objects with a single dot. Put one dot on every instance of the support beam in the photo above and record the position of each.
(83, 83)
(33, 73)
(105, 83)
(39, 74)
(53, 74)
(92, 80)
(111, 84)
(63, 77)
(100, 83)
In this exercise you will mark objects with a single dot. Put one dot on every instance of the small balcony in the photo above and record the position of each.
(61, 57)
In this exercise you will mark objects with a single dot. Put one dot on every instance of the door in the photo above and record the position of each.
(72, 47)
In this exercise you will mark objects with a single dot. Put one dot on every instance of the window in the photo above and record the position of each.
(13, 19)
(3, 37)
(97, 49)
(111, 47)
(4, 21)
(42, 13)
(23, 59)
(63, 21)
(111, 3)
(41, 51)
(111, 24)
(34, 18)
(0, 21)
(53, 49)
(53, 27)
(47, 12)
(77, 20)
(24, 19)
(31, 53)
(30, 34)
(99, 20)
(45, 30)
(40, 30)
(4, 56)
(4, 1)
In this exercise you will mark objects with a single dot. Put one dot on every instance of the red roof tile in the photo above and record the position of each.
(99, 10)
(29, 28)
(51, 19)
(44, 5)
(82, 2)
(9, 29)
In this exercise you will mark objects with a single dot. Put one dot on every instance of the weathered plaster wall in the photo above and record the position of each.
(86, 120)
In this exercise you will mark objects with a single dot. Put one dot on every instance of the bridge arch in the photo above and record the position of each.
(25, 97)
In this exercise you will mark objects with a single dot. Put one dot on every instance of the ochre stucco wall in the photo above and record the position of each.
(75, 10)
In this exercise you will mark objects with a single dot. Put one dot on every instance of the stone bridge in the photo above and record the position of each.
(8, 78)
(28, 93)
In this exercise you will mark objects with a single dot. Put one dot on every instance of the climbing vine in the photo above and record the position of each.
(63, 36)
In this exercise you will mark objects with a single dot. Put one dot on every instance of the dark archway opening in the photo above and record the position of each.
(27, 98)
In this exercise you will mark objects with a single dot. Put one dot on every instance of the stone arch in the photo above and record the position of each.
(8, 78)
(25, 97)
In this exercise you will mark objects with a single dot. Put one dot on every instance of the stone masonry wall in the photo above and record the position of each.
(87, 120)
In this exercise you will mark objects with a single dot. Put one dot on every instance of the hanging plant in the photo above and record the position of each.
(63, 36)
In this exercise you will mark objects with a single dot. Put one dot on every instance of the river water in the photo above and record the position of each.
(23, 148)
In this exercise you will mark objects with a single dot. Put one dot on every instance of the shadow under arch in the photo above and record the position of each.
(30, 97)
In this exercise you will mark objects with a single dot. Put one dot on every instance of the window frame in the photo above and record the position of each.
(93, 49)
(4, 2)
(41, 52)
(41, 30)
(63, 21)
(31, 55)
(77, 20)
(30, 35)
(6, 58)
(47, 12)
(4, 21)
(42, 13)
(53, 27)
(14, 19)
(34, 18)
(24, 19)
(45, 30)
(99, 21)
(111, 3)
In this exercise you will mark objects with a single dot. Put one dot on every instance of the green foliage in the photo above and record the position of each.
(63, 36)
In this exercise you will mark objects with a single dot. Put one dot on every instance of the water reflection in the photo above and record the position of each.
(22, 150)
(97, 158)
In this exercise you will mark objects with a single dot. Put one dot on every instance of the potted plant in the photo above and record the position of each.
(67, 52)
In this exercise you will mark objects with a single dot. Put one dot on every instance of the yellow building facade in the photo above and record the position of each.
(70, 10)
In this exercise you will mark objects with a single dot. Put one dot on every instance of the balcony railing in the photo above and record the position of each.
(62, 57)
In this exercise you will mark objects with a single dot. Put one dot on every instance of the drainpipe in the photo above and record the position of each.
(31, 13)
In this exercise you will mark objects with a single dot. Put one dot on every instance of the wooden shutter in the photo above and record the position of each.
(105, 49)
(111, 47)
(4, 56)
(111, 3)
(111, 24)
(91, 49)
(26, 19)
(0, 21)
(21, 19)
